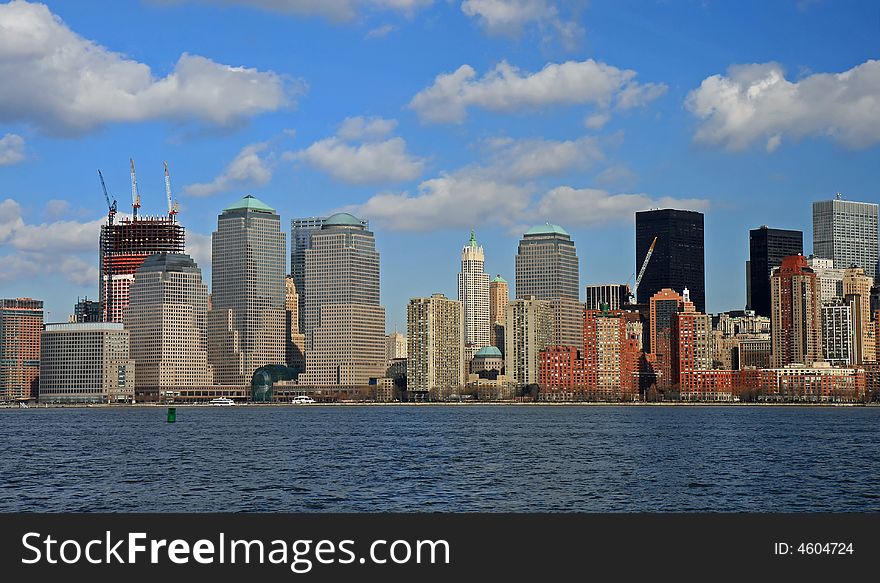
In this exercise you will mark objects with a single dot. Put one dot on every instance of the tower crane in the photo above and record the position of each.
(111, 206)
(635, 289)
(135, 195)
(173, 209)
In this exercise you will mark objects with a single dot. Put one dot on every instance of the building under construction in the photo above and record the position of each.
(126, 243)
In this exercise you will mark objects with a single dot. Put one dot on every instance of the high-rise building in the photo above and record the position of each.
(611, 355)
(473, 293)
(857, 293)
(528, 330)
(167, 320)
(837, 332)
(301, 230)
(846, 232)
(86, 362)
(830, 278)
(678, 258)
(294, 340)
(435, 362)
(691, 343)
(395, 346)
(767, 248)
(614, 296)
(547, 268)
(796, 318)
(124, 245)
(21, 321)
(344, 322)
(664, 305)
(246, 321)
(86, 310)
(499, 297)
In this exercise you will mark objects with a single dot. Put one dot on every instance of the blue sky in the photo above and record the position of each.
(430, 118)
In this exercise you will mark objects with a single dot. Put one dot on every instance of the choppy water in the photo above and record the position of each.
(456, 458)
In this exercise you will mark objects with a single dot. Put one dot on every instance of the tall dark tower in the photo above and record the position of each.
(678, 260)
(767, 248)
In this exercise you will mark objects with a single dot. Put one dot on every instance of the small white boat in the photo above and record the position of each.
(222, 402)
(302, 399)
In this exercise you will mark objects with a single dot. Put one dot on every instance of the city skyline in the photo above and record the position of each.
(657, 140)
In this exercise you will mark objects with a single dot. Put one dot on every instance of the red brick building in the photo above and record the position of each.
(21, 322)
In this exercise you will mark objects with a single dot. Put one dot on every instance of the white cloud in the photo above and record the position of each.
(365, 128)
(592, 206)
(372, 161)
(334, 10)
(617, 175)
(451, 201)
(66, 84)
(247, 170)
(510, 17)
(198, 246)
(597, 121)
(756, 102)
(11, 149)
(507, 89)
(530, 158)
(381, 31)
(56, 247)
(56, 208)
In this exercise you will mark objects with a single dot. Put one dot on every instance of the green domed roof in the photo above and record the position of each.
(488, 352)
(547, 229)
(342, 220)
(499, 279)
(249, 202)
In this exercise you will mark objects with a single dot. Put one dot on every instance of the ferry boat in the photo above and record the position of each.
(222, 402)
(302, 399)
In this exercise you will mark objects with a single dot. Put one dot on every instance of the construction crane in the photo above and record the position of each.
(635, 289)
(135, 195)
(110, 205)
(173, 209)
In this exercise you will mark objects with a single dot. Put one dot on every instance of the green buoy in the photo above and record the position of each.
(172, 414)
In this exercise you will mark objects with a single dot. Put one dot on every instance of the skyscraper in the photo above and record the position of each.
(796, 319)
(246, 322)
(301, 230)
(678, 260)
(167, 319)
(857, 292)
(473, 293)
(294, 340)
(664, 305)
(830, 278)
(767, 248)
(611, 355)
(435, 362)
(499, 296)
(344, 322)
(21, 321)
(547, 268)
(846, 231)
(528, 330)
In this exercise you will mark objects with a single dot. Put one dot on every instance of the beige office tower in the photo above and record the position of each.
(528, 330)
(395, 346)
(167, 319)
(344, 323)
(473, 293)
(294, 340)
(547, 268)
(435, 363)
(796, 314)
(830, 278)
(499, 297)
(246, 325)
(857, 291)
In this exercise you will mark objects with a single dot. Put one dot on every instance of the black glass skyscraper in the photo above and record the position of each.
(767, 248)
(678, 260)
